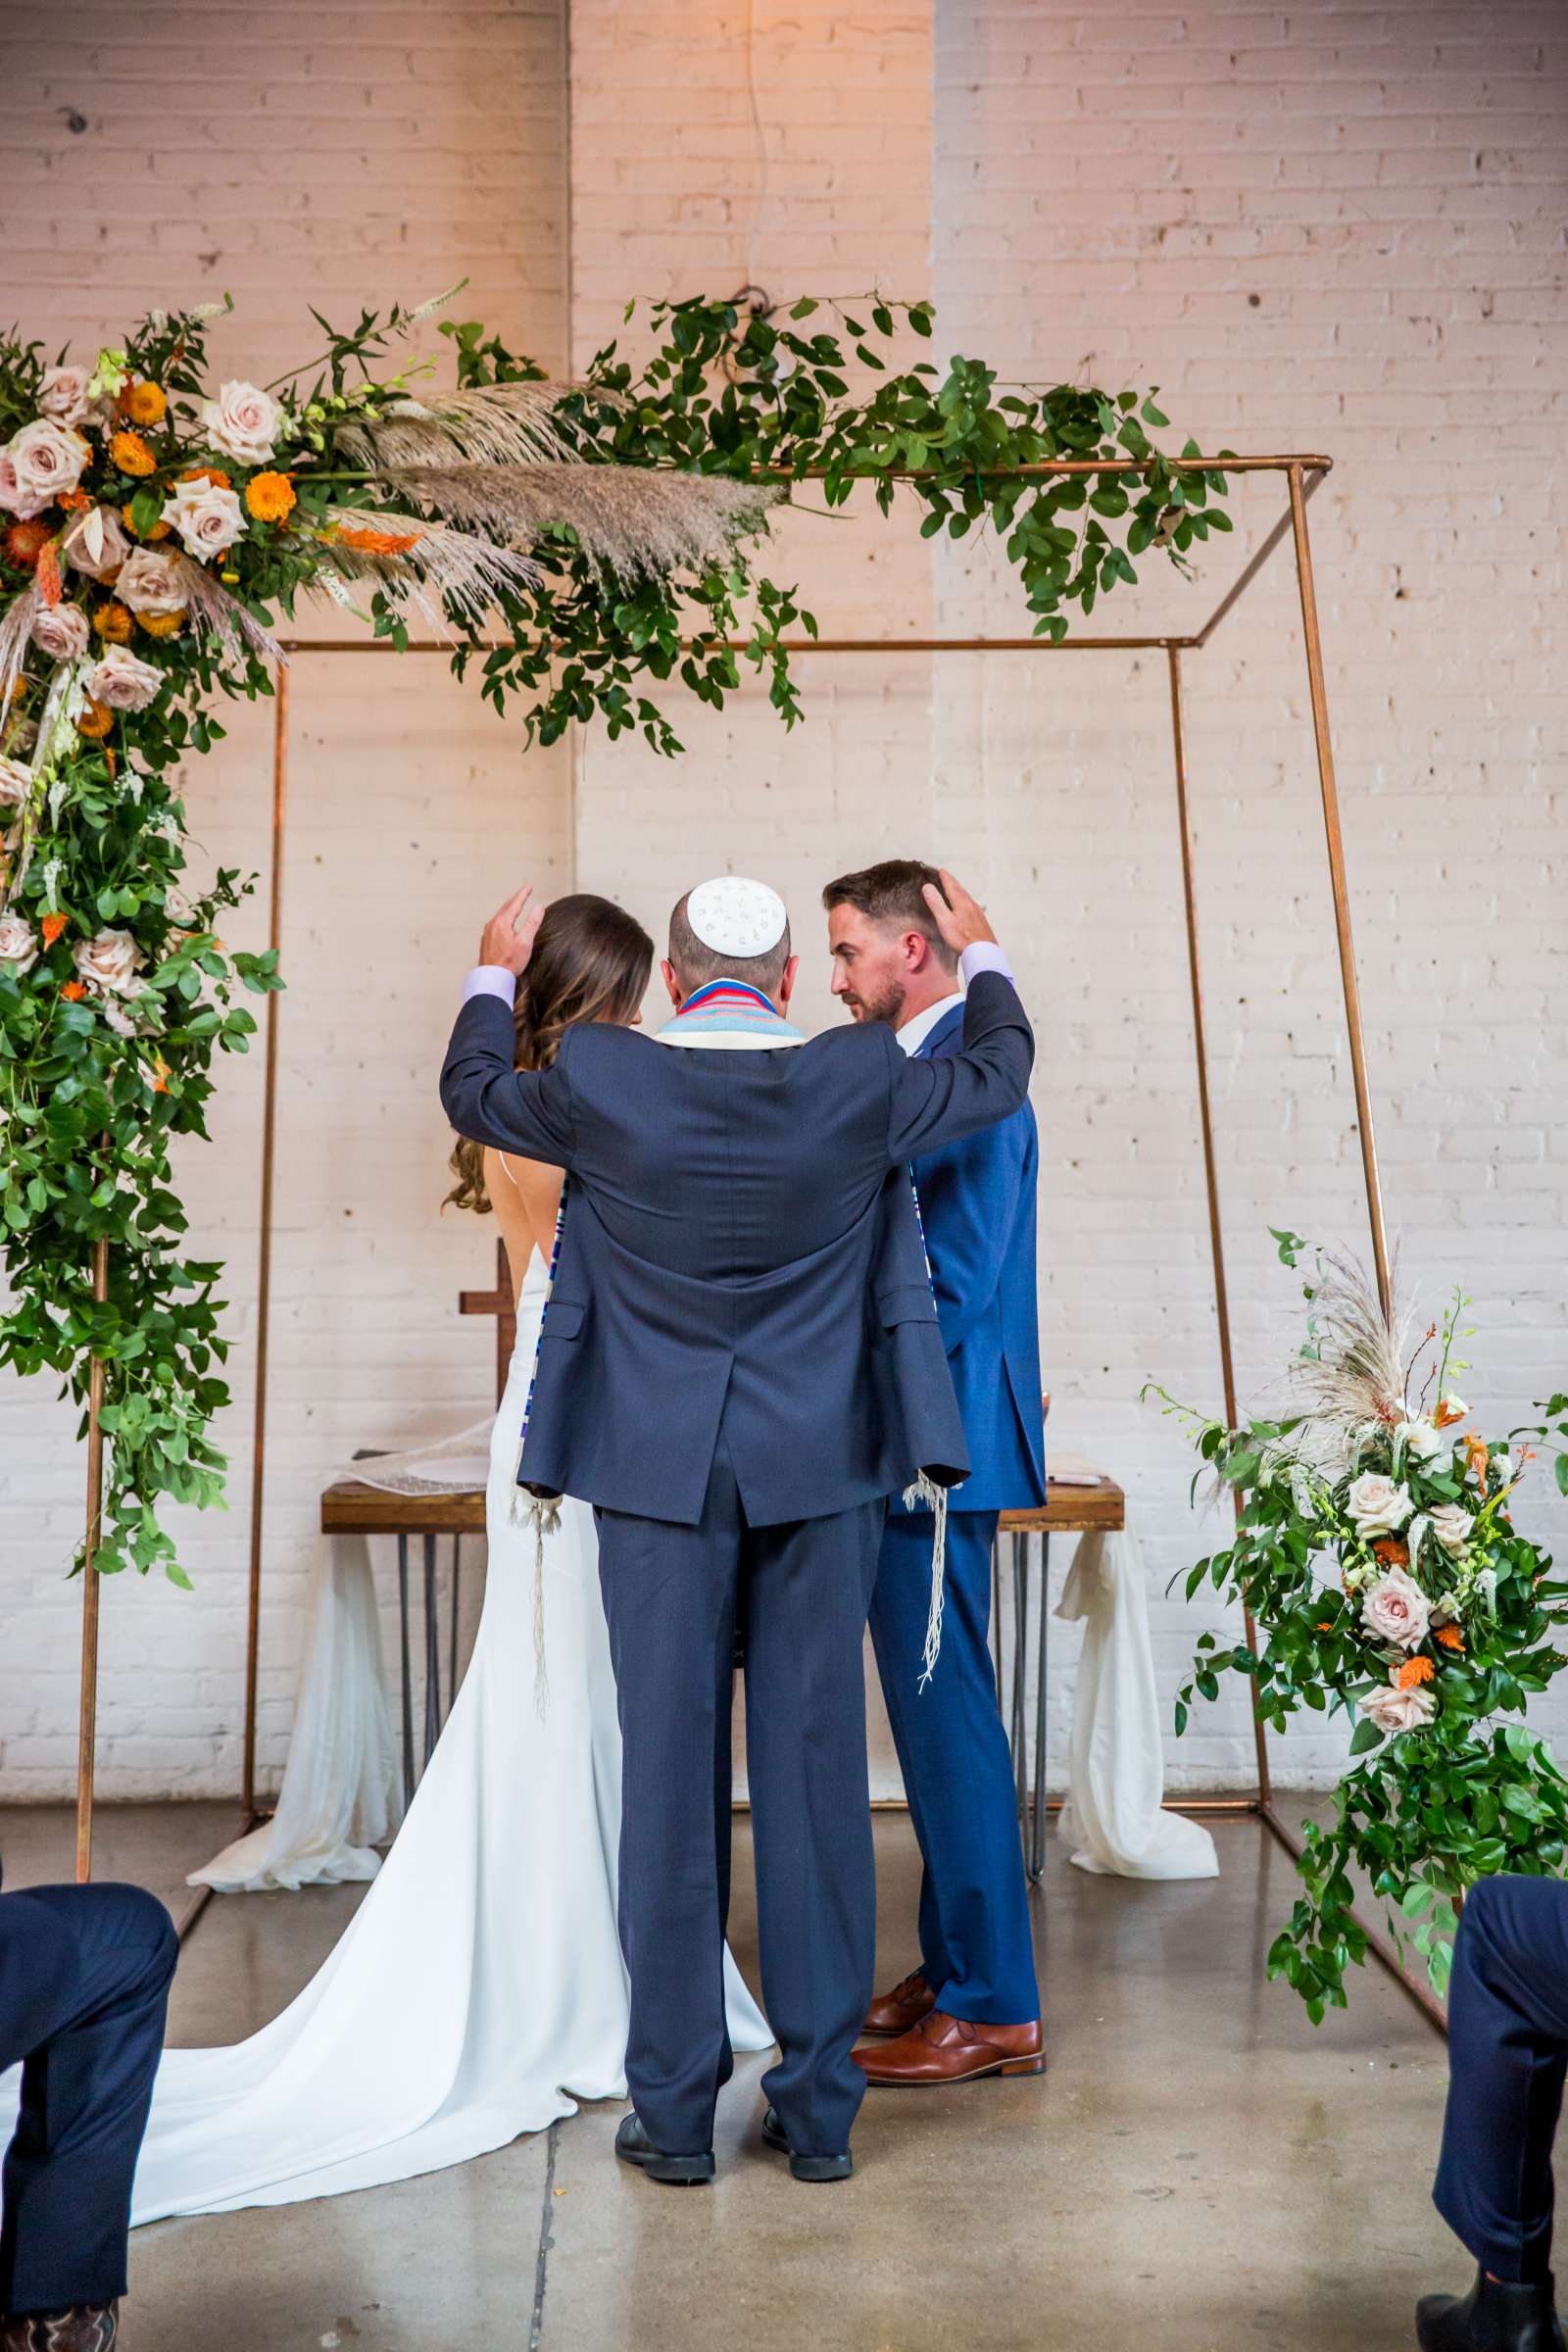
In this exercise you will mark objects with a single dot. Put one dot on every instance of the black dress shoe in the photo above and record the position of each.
(805, 2168)
(1495, 2316)
(633, 2147)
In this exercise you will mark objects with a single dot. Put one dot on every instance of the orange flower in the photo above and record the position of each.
(132, 454)
(73, 991)
(96, 721)
(1324, 1626)
(73, 501)
(377, 543)
(1413, 1671)
(1449, 1635)
(163, 624)
(1476, 1456)
(113, 623)
(161, 1081)
(159, 530)
(51, 927)
(269, 497)
(1393, 1552)
(24, 543)
(1446, 1414)
(143, 403)
(207, 473)
(51, 587)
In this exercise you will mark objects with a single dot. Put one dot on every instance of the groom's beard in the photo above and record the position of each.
(886, 1004)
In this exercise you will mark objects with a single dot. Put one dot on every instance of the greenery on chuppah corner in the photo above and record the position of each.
(1376, 1551)
(728, 393)
(154, 534)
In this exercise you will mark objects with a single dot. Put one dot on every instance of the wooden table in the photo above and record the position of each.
(351, 1508)
(1067, 1510)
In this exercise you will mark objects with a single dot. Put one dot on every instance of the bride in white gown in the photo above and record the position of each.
(479, 1990)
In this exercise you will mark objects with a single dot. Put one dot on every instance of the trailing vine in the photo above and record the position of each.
(156, 534)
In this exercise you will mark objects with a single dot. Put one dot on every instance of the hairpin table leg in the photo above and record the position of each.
(457, 1595)
(1037, 1821)
(996, 1612)
(1021, 1655)
(407, 1699)
(432, 1655)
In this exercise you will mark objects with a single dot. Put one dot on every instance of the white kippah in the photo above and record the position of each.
(736, 918)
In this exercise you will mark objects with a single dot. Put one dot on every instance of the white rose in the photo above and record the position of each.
(1377, 1505)
(1395, 1609)
(207, 519)
(13, 498)
(150, 583)
(61, 632)
(119, 1021)
(47, 459)
(107, 964)
(95, 543)
(15, 784)
(19, 945)
(1452, 1525)
(62, 394)
(1394, 1710)
(123, 682)
(1421, 1441)
(242, 422)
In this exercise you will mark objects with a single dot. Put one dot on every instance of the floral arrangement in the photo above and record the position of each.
(581, 543)
(1376, 1551)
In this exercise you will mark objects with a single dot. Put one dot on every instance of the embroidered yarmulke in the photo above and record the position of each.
(736, 918)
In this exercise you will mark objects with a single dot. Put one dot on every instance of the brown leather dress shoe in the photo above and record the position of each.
(952, 2050)
(896, 2011)
(86, 2327)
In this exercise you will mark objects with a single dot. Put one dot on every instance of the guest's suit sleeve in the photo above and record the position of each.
(526, 1111)
(935, 1102)
(979, 1205)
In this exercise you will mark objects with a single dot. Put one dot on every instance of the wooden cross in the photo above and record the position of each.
(500, 1304)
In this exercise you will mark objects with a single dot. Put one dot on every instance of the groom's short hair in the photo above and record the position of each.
(696, 962)
(894, 892)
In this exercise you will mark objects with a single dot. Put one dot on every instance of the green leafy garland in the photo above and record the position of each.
(1376, 1551)
(115, 989)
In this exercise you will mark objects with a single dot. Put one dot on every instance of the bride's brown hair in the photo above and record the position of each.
(590, 962)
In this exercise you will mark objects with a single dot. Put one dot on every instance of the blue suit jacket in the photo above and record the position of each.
(740, 1249)
(977, 1204)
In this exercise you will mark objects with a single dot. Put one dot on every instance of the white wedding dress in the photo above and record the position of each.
(480, 1989)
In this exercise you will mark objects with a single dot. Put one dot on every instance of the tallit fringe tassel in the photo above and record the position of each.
(544, 1516)
(935, 1497)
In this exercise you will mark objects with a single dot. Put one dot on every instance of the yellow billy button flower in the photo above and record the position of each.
(143, 403)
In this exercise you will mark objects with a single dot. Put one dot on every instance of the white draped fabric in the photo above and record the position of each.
(342, 1792)
(1113, 1819)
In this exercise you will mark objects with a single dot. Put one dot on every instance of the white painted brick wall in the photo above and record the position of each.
(1334, 227)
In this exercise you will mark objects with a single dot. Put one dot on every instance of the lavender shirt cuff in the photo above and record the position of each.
(984, 957)
(490, 980)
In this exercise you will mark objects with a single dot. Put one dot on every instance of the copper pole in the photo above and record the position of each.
(790, 645)
(263, 1276)
(87, 1732)
(1336, 883)
(1216, 1245)
(1249, 572)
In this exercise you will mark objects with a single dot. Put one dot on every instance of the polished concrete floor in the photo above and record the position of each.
(1199, 2171)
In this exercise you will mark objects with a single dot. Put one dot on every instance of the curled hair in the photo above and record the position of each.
(590, 962)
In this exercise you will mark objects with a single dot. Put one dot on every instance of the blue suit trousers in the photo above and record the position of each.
(976, 1951)
(1508, 2050)
(84, 1986)
(672, 1596)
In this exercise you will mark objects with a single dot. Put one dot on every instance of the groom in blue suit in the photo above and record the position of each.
(972, 2007)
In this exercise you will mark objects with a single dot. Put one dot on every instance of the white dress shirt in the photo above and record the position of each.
(918, 1027)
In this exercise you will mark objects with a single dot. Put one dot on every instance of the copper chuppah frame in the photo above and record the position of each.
(1303, 475)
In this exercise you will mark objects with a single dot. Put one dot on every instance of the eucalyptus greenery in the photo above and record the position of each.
(1376, 1551)
(117, 641)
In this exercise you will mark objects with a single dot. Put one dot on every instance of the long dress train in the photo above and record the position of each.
(480, 1989)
